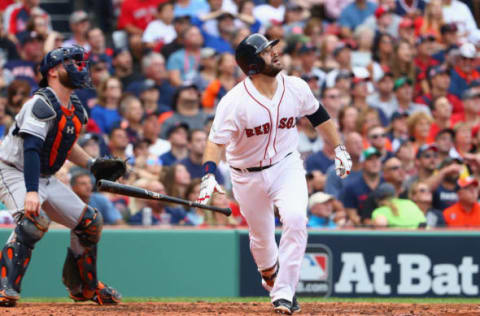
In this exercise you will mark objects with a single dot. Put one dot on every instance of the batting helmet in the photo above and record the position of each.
(78, 76)
(247, 53)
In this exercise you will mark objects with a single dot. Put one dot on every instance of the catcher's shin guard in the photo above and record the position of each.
(80, 278)
(16, 254)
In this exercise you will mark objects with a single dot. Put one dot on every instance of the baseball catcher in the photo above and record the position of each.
(42, 137)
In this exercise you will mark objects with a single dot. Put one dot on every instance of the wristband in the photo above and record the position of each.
(209, 167)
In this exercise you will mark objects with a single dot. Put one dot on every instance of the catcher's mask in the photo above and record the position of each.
(74, 63)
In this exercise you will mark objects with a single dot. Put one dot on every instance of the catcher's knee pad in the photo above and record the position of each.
(31, 229)
(89, 228)
(80, 272)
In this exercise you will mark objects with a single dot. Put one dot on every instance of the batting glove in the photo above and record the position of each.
(343, 162)
(207, 187)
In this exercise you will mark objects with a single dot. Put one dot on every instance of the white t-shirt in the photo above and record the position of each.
(265, 13)
(157, 31)
(258, 131)
(458, 12)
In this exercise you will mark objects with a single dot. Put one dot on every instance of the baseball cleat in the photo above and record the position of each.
(104, 295)
(9, 297)
(282, 306)
(295, 306)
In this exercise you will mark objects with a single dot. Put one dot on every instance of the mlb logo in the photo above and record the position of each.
(315, 267)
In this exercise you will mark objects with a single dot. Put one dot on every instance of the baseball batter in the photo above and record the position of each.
(43, 135)
(255, 122)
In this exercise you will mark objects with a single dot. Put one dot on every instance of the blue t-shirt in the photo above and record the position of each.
(88, 97)
(166, 91)
(105, 207)
(352, 16)
(168, 159)
(171, 215)
(196, 7)
(24, 70)
(318, 161)
(320, 222)
(400, 10)
(185, 63)
(458, 85)
(355, 193)
(105, 118)
(443, 198)
(334, 184)
(196, 170)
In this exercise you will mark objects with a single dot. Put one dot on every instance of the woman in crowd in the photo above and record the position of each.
(419, 128)
(18, 93)
(176, 179)
(432, 20)
(403, 65)
(105, 113)
(382, 52)
(347, 118)
(327, 46)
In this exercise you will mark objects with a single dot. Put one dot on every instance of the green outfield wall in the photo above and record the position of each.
(218, 263)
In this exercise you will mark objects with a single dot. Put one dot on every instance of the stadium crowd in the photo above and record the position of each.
(401, 78)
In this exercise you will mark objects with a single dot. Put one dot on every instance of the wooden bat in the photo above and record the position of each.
(115, 187)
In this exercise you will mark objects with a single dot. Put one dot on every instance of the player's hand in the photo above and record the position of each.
(207, 187)
(32, 204)
(343, 162)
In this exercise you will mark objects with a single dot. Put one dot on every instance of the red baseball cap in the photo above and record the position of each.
(465, 182)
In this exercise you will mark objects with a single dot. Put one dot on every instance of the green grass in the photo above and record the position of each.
(266, 299)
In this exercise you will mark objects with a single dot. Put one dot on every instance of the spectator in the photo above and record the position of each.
(31, 53)
(327, 45)
(5, 119)
(449, 41)
(123, 66)
(471, 107)
(8, 50)
(439, 82)
(160, 31)
(81, 184)
(382, 54)
(180, 24)
(398, 131)
(321, 211)
(463, 72)
(176, 179)
(334, 184)
(105, 113)
(355, 14)
(403, 88)
(98, 46)
(146, 165)
(421, 195)
(394, 212)
(444, 142)
(187, 108)
(445, 194)
(136, 14)
(406, 31)
(321, 160)
(457, 12)
(227, 78)
(309, 141)
(419, 128)
(463, 142)
(18, 15)
(367, 119)
(384, 19)
(270, 13)
(161, 214)
(195, 216)
(149, 96)
(359, 93)
(466, 212)
(294, 18)
(432, 19)
(347, 118)
(442, 117)
(18, 92)
(177, 135)
(222, 43)
(197, 140)
(190, 7)
(307, 56)
(79, 25)
(118, 142)
(423, 61)
(405, 152)
(208, 68)
(184, 63)
(383, 98)
(343, 57)
(362, 55)
(245, 18)
(377, 138)
(426, 162)
(151, 132)
(409, 7)
(403, 65)
(132, 111)
(355, 193)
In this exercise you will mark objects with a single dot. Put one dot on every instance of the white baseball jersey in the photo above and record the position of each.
(259, 131)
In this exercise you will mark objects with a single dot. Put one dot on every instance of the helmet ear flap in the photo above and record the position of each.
(256, 66)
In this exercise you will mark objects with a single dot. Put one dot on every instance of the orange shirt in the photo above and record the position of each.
(456, 216)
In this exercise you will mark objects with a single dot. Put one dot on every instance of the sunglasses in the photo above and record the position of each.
(428, 156)
(375, 136)
(422, 190)
(394, 168)
(332, 96)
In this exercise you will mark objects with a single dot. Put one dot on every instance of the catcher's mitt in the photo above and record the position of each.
(108, 168)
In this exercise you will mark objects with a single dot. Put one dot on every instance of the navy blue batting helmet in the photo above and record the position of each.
(68, 56)
(246, 53)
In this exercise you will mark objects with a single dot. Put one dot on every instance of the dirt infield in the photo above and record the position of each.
(258, 308)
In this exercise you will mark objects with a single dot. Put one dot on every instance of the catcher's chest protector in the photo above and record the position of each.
(62, 135)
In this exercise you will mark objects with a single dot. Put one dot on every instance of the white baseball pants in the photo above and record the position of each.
(283, 185)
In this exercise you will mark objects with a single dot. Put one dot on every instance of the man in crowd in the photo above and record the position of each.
(177, 135)
(466, 212)
(79, 25)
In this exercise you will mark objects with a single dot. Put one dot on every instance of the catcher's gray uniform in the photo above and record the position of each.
(60, 203)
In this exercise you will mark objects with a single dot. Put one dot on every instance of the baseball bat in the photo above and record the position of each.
(115, 187)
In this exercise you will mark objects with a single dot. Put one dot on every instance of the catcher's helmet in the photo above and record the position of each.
(78, 77)
(247, 52)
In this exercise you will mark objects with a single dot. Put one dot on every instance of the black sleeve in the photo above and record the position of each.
(32, 146)
(320, 116)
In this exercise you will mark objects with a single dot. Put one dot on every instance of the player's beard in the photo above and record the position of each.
(65, 80)
(271, 70)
